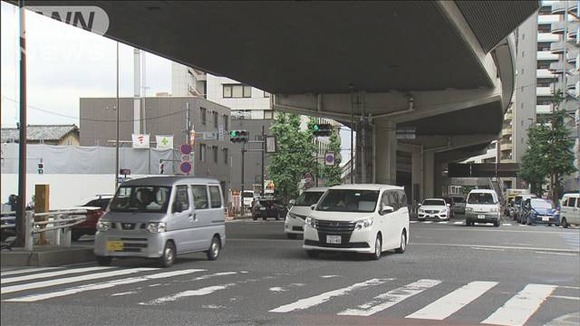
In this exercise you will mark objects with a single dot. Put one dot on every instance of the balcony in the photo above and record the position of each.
(544, 91)
(544, 73)
(547, 55)
(572, 82)
(558, 27)
(559, 7)
(543, 109)
(560, 67)
(507, 131)
(507, 146)
(557, 47)
(508, 116)
(572, 56)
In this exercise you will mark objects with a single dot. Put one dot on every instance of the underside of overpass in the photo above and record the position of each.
(444, 69)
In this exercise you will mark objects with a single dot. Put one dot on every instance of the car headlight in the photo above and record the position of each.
(311, 222)
(363, 224)
(156, 227)
(494, 210)
(421, 210)
(103, 225)
(443, 211)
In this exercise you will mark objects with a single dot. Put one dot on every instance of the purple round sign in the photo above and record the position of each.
(185, 149)
(185, 167)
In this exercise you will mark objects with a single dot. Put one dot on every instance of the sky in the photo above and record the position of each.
(63, 64)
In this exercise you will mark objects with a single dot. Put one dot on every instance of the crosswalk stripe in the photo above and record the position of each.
(60, 281)
(321, 298)
(51, 274)
(27, 270)
(518, 309)
(452, 302)
(457, 223)
(101, 286)
(190, 293)
(391, 298)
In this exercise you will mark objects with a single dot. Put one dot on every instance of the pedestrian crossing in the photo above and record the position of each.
(281, 294)
(513, 223)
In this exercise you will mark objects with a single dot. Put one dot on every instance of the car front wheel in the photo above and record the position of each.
(168, 256)
(403, 244)
(378, 248)
(214, 249)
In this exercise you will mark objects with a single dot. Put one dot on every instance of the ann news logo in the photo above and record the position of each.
(89, 18)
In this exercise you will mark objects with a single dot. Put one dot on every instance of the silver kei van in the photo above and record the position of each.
(162, 217)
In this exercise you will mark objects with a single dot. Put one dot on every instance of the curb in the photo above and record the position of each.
(48, 257)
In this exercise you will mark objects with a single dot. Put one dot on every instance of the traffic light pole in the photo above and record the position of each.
(263, 159)
(243, 180)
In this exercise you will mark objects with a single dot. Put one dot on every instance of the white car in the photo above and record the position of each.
(570, 209)
(362, 218)
(434, 208)
(294, 223)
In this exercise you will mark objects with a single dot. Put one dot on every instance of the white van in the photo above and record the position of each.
(570, 209)
(363, 218)
(482, 206)
(162, 217)
(294, 223)
(248, 198)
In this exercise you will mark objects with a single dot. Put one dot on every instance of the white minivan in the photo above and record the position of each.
(294, 223)
(482, 206)
(570, 209)
(162, 217)
(362, 218)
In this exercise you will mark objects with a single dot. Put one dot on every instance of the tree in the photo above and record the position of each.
(332, 174)
(293, 157)
(549, 156)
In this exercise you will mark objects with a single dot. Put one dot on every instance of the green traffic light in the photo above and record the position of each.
(234, 133)
(316, 127)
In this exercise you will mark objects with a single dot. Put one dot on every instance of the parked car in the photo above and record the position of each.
(294, 223)
(268, 207)
(95, 207)
(434, 208)
(570, 209)
(519, 212)
(540, 211)
(458, 204)
(482, 207)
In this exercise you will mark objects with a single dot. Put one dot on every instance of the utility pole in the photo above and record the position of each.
(263, 159)
(243, 186)
(21, 211)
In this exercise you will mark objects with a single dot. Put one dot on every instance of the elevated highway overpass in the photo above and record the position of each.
(444, 69)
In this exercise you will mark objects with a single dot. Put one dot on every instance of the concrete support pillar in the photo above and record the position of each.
(416, 175)
(428, 174)
(437, 179)
(364, 151)
(385, 143)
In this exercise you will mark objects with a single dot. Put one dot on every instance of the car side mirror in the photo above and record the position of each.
(448, 205)
(292, 202)
(387, 209)
(419, 205)
(312, 207)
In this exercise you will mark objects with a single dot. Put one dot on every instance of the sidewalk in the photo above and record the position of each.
(44, 256)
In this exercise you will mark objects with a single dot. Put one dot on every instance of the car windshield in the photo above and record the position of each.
(308, 198)
(433, 202)
(541, 203)
(348, 200)
(480, 198)
(458, 200)
(248, 194)
(146, 199)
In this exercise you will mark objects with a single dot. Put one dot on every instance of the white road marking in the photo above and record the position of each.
(522, 306)
(321, 298)
(427, 222)
(458, 223)
(391, 298)
(51, 274)
(190, 293)
(104, 285)
(328, 276)
(452, 302)
(277, 289)
(28, 270)
(43, 284)
(565, 297)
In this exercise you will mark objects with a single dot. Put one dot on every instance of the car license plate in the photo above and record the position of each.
(334, 239)
(481, 216)
(545, 218)
(262, 208)
(114, 245)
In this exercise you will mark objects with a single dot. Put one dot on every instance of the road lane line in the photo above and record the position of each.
(522, 306)
(60, 281)
(565, 297)
(52, 274)
(391, 298)
(28, 270)
(321, 298)
(101, 286)
(189, 293)
(452, 302)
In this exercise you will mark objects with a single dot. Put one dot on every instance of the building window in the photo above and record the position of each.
(543, 46)
(522, 71)
(269, 114)
(544, 28)
(266, 94)
(237, 91)
(215, 153)
(203, 113)
(543, 64)
(215, 119)
(545, 82)
(226, 122)
(202, 152)
(544, 101)
(225, 150)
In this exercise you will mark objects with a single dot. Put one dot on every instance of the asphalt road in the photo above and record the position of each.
(450, 274)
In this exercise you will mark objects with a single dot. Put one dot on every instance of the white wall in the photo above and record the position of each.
(66, 190)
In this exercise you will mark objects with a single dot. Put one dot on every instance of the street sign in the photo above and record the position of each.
(185, 167)
(185, 149)
(270, 144)
(329, 159)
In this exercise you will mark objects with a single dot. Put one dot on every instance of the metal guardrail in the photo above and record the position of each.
(59, 221)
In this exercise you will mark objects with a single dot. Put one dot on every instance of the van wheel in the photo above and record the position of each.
(312, 253)
(403, 244)
(496, 224)
(168, 256)
(104, 261)
(564, 223)
(214, 248)
(378, 248)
